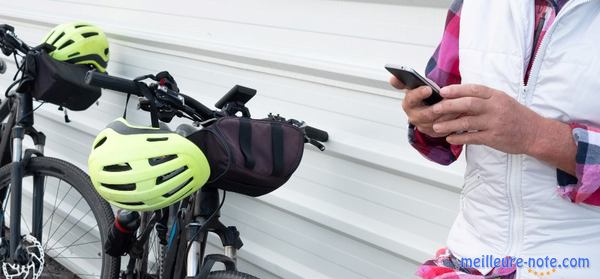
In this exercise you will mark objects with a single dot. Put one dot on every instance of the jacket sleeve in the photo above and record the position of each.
(585, 186)
(443, 69)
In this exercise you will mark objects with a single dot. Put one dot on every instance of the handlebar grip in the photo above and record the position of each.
(97, 79)
(316, 134)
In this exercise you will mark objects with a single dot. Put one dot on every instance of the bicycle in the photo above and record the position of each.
(67, 220)
(188, 222)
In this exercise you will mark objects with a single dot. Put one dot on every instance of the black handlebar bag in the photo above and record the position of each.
(57, 82)
(249, 156)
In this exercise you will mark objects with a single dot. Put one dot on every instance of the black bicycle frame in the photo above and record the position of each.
(20, 108)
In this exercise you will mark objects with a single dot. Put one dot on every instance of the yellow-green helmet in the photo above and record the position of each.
(79, 43)
(143, 168)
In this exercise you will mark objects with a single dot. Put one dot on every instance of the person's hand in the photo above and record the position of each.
(419, 114)
(489, 117)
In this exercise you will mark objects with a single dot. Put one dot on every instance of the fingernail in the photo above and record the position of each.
(444, 91)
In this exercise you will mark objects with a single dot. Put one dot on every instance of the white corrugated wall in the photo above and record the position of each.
(369, 207)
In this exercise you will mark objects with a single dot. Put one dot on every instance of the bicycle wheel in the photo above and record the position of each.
(74, 223)
(230, 275)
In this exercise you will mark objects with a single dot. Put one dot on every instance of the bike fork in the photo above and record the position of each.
(16, 188)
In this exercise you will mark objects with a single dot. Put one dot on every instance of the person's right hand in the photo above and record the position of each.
(420, 114)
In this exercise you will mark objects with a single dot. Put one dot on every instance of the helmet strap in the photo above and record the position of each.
(153, 108)
(126, 104)
(143, 88)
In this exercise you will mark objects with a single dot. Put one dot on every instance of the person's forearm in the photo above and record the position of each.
(554, 144)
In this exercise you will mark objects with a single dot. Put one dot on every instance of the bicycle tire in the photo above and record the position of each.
(221, 274)
(80, 181)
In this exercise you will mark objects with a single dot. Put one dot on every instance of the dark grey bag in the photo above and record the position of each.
(57, 82)
(249, 156)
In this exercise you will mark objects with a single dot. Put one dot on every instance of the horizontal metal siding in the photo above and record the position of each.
(369, 207)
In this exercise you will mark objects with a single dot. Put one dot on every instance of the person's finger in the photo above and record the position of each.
(446, 117)
(465, 105)
(414, 98)
(461, 124)
(396, 83)
(468, 138)
(466, 90)
(422, 116)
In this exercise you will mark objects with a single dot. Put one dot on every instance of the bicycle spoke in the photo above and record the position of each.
(70, 245)
(6, 199)
(152, 245)
(73, 226)
(26, 225)
(61, 201)
(65, 219)
(51, 217)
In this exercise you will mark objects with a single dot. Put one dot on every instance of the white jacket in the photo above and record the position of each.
(509, 204)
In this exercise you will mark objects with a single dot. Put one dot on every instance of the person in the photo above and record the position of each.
(520, 88)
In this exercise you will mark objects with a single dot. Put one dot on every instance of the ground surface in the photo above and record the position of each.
(55, 270)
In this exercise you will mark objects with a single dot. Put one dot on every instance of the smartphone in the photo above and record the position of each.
(412, 79)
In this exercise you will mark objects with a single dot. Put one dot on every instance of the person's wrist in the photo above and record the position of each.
(543, 136)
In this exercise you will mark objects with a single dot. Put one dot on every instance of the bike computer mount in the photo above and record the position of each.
(235, 100)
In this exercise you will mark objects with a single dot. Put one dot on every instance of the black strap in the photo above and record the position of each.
(153, 109)
(126, 103)
(277, 148)
(246, 142)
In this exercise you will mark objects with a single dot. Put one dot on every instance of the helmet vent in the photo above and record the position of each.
(89, 34)
(58, 38)
(174, 191)
(162, 159)
(157, 139)
(117, 167)
(66, 44)
(73, 54)
(170, 175)
(106, 51)
(81, 25)
(120, 187)
(100, 142)
(132, 203)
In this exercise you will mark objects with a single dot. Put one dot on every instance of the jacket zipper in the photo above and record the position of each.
(516, 229)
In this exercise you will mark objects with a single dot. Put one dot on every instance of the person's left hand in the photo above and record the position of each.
(489, 117)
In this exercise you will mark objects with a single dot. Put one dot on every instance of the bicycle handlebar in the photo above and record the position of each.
(9, 42)
(189, 106)
(201, 109)
(113, 83)
(316, 134)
